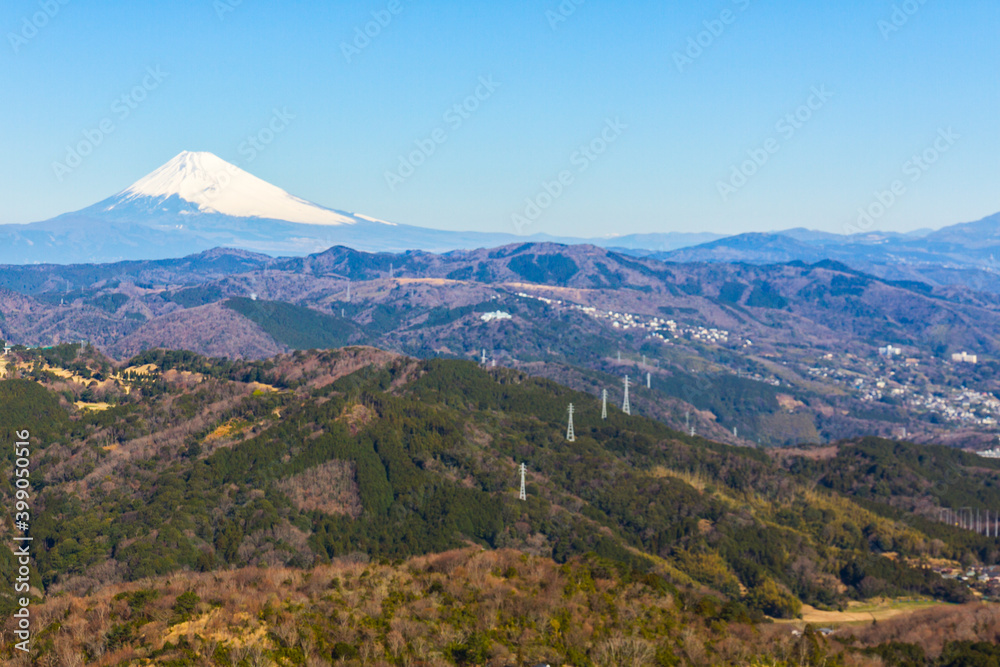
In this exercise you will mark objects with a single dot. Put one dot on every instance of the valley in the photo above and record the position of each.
(775, 355)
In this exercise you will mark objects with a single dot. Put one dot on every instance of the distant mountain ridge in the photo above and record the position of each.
(951, 316)
(571, 308)
(964, 254)
(197, 201)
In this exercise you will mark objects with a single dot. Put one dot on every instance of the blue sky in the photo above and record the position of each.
(884, 80)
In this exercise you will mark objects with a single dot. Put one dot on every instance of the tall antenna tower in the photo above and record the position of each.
(604, 404)
(570, 433)
(524, 494)
(626, 408)
(649, 380)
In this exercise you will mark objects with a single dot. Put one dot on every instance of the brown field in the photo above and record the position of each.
(812, 453)
(95, 407)
(865, 612)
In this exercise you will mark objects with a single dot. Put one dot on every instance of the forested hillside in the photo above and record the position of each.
(174, 462)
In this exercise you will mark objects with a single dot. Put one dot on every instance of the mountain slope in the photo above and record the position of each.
(978, 234)
(197, 201)
(213, 185)
(208, 464)
(960, 254)
(211, 328)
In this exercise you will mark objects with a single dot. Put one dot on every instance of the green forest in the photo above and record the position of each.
(428, 451)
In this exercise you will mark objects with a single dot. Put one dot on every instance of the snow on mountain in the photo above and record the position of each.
(218, 187)
(197, 201)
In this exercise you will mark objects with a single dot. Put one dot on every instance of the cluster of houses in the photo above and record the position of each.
(984, 579)
(962, 405)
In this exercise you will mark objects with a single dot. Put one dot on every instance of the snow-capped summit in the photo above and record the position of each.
(196, 202)
(215, 186)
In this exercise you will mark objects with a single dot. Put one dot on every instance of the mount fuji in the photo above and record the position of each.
(201, 183)
(197, 201)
